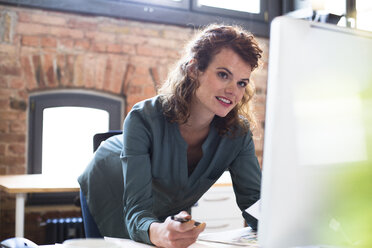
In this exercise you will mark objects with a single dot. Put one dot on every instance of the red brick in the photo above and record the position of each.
(4, 126)
(48, 68)
(12, 70)
(22, 116)
(114, 48)
(142, 70)
(2, 150)
(82, 44)
(5, 92)
(12, 138)
(17, 168)
(65, 69)
(133, 99)
(119, 66)
(79, 70)
(142, 80)
(7, 49)
(69, 69)
(100, 68)
(151, 51)
(154, 73)
(28, 73)
(3, 82)
(33, 29)
(48, 19)
(98, 47)
(129, 74)
(143, 31)
(173, 54)
(165, 43)
(16, 149)
(8, 115)
(134, 90)
(108, 72)
(18, 126)
(17, 83)
(131, 39)
(149, 91)
(48, 42)
(181, 34)
(89, 70)
(60, 70)
(128, 49)
(4, 102)
(66, 43)
(67, 32)
(100, 37)
(116, 29)
(82, 24)
(17, 104)
(28, 40)
(39, 73)
(24, 16)
(7, 27)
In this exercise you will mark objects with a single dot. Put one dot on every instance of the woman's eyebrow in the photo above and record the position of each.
(228, 71)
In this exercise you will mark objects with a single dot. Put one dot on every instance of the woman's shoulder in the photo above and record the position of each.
(148, 112)
(240, 129)
(151, 107)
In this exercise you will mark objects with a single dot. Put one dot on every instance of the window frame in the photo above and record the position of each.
(154, 11)
(39, 102)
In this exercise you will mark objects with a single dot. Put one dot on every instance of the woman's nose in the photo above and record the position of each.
(230, 88)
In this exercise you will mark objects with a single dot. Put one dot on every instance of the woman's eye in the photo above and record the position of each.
(222, 75)
(242, 83)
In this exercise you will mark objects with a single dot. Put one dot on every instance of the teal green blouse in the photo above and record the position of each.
(152, 157)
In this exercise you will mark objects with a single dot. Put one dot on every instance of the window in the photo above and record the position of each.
(364, 14)
(254, 15)
(67, 138)
(251, 9)
(347, 13)
(61, 129)
(180, 4)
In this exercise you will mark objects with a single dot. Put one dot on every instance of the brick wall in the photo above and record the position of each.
(45, 50)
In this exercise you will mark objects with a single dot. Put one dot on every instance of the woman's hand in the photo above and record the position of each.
(174, 234)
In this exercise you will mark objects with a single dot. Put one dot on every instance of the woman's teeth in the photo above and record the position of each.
(223, 100)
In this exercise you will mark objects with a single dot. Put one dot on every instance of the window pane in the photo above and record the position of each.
(364, 14)
(250, 6)
(68, 138)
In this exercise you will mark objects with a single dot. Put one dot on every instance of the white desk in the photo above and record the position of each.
(225, 235)
(33, 183)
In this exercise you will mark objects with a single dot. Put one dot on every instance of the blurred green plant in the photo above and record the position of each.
(351, 224)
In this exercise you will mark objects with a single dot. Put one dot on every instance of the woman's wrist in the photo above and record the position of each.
(154, 233)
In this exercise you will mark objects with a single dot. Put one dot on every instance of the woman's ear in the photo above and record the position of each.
(192, 69)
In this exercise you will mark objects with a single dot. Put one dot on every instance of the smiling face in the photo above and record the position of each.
(222, 84)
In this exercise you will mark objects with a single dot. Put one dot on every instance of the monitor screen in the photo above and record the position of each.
(318, 126)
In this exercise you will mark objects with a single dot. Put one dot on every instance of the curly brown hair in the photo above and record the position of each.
(180, 86)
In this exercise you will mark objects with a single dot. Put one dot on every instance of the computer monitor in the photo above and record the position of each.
(317, 127)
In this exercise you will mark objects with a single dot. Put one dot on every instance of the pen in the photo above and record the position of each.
(183, 220)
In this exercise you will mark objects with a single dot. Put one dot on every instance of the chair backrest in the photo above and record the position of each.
(99, 137)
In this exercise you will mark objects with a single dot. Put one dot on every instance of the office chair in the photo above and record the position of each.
(90, 226)
(99, 137)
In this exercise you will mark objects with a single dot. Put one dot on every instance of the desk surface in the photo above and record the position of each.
(38, 183)
(220, 237)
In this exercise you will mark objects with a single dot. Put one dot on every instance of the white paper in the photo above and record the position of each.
(239, 237)
(127, 243)
(254, 210)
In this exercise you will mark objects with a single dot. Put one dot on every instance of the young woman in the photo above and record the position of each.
(177, 144)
